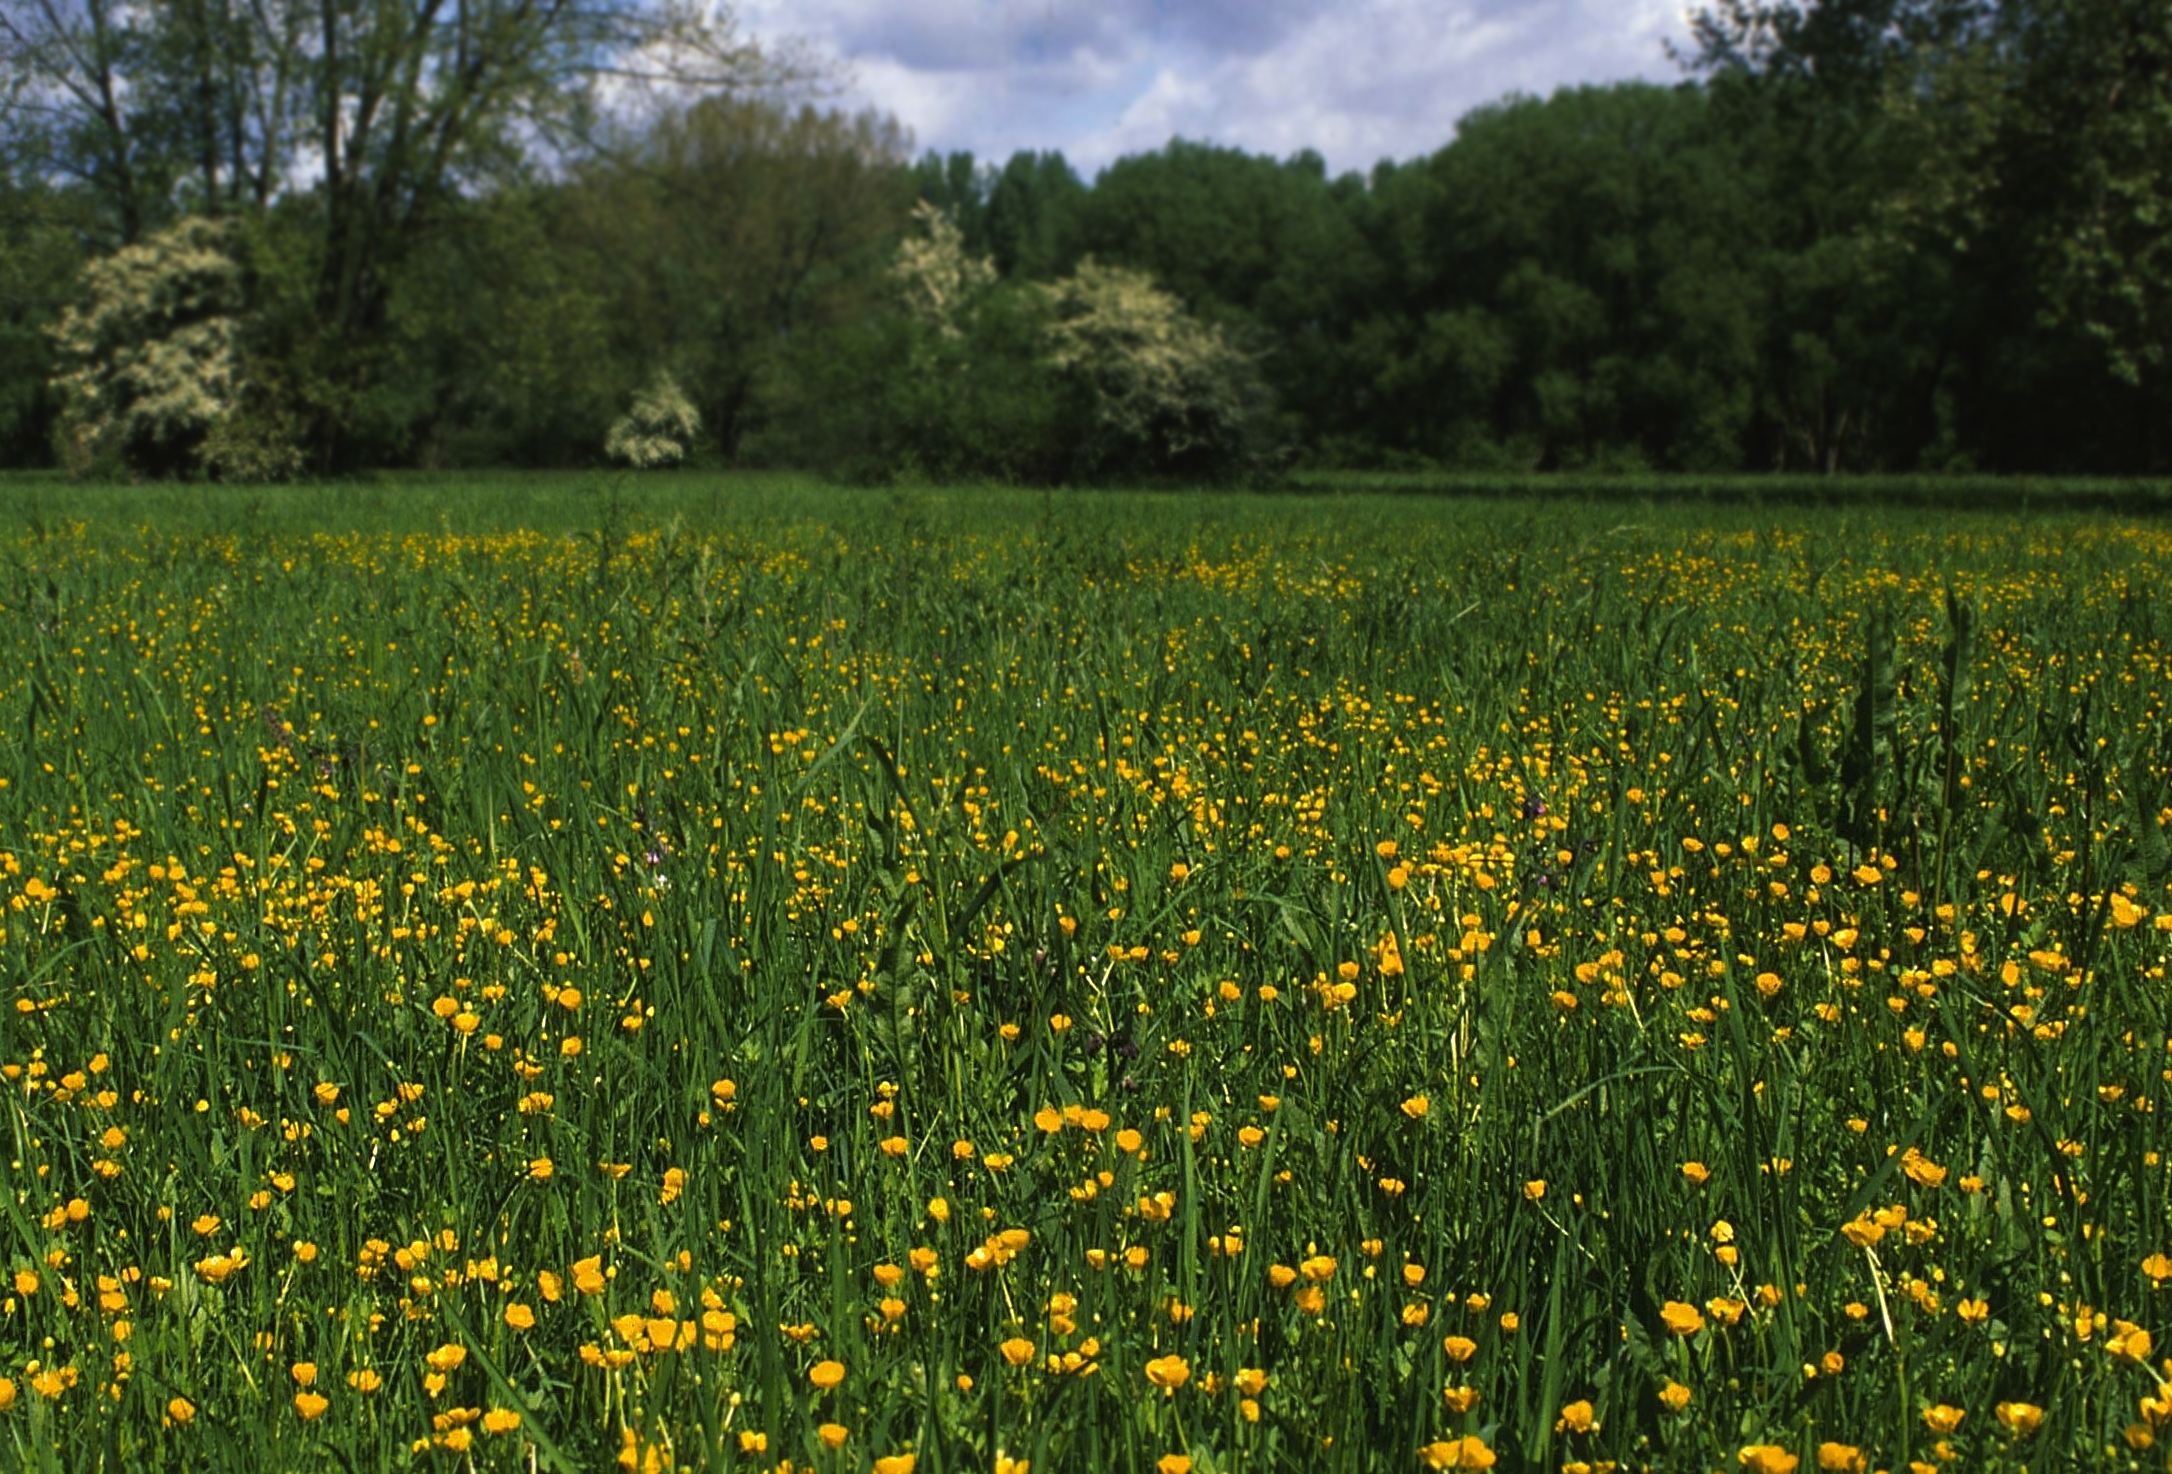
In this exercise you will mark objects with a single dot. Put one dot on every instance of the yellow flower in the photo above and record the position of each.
(1575, 1418)
(1921, 1170)
(1681, 1318)
(1168, 1372)
(1724, 1310)
(541, 1169)
(179, 1409)
(1174, 1464)
(1697, 1172)
(1535, 1189)
(500, 1420)
(520, 1317)
(894, 1464)
(1840, 1458)
(826, 1374)
(1017, 1351)
(304, 1373)
(1459, 1348)
(1416, 1107)
(833, 1435)
(2020, 1418)
(1942, 1419)
(1673, 1396)
(310, 1405)
(1469, 1452)
(2130, 1342)
(1767, 1458)
(218, 1268)
(26, 1282)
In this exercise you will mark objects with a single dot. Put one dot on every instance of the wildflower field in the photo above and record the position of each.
(763, 977)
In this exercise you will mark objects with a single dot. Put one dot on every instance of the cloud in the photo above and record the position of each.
(1357, 80)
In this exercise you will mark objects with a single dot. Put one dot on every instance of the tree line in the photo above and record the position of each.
(316, 235)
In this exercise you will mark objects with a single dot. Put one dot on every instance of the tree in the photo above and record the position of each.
(655, 431)
(1572, 282)
(383, 114)
(1998, 169)
(1169, 392)
(151, 366)
(1845, 50)
(1272, 250)
(936, 277)
(1868, 328)
(2095, 105)
(40, 254)
(727, 231)
(1029, 211)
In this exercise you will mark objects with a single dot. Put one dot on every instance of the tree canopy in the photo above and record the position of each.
(1858, 234)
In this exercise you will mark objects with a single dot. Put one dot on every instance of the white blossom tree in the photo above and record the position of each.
(149, 351)
(657, 430)
(1162, 380)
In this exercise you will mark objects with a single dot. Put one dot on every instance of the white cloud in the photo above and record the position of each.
(1358, 80)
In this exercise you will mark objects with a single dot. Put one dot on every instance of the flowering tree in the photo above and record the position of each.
(656, 430)
(1162, 381)
(149, 351)
(936, 276)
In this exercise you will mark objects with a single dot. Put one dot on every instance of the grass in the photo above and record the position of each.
(721, 973)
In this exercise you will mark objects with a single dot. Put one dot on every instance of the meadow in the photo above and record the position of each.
(739, 974)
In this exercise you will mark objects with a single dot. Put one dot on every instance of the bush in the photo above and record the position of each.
(1171, 394)
(657, 429)
(150, 352)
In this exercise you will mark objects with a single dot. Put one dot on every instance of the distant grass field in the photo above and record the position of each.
(527, 973)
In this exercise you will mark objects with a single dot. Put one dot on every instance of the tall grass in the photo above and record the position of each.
(738, 975)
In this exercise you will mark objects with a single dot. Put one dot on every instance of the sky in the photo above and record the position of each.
(1355, 80)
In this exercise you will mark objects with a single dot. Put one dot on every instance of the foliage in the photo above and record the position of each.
(2096, 105)
(656, 430)
(725, 233)
(1168, 391)
(936, 277)
(39, 259)
(1346, 984)
(1099, 374)
(1885, 236)
(396, 114)
(150, 351)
